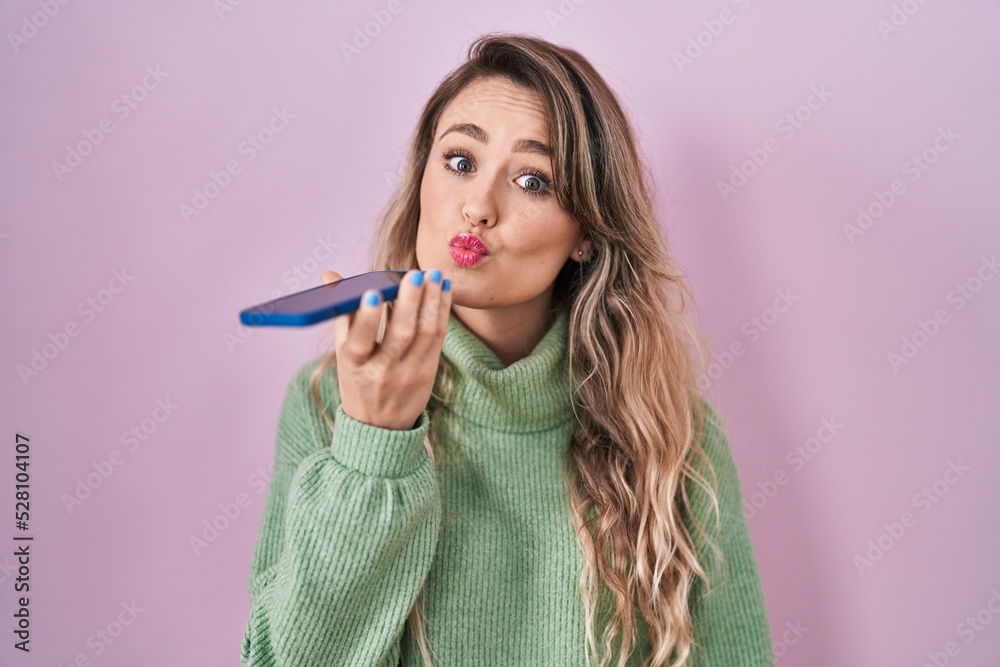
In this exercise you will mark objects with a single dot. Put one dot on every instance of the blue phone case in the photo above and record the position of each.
(309, 307)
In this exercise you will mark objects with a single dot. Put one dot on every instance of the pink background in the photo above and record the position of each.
(169, 334)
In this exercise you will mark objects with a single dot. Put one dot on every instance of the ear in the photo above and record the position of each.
(586, 246)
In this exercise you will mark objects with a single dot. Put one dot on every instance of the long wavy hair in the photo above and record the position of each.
(635, 359)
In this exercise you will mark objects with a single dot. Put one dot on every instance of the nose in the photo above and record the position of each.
(480, 202)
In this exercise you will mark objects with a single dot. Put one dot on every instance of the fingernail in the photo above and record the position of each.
(446, 285)
(417, 278)
(372, 299)
(435, 276)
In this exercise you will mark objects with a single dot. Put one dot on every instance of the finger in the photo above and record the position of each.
(428, 323)
(445, 309)
(331, 277)
(360, 340)
(402, 326)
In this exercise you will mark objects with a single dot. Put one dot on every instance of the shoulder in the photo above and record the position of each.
(730, 618)
(713, 439)
(302, 427)
(714, 450)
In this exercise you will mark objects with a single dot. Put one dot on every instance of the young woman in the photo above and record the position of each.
(510, 464)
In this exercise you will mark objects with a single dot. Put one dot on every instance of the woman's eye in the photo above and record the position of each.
(460, 163)
(531, 183)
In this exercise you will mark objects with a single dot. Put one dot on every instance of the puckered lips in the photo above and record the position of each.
(467, 249)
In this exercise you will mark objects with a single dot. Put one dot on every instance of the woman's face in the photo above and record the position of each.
(489, 175)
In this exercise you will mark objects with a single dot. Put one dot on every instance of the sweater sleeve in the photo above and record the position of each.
(348, 533)
(730, 624)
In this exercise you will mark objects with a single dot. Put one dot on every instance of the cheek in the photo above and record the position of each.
(432, 191)
(433, 214)
(544, 233)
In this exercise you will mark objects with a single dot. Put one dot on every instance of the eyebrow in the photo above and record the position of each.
(479, 134)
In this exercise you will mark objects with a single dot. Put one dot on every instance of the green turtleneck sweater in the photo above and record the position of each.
(358, 522)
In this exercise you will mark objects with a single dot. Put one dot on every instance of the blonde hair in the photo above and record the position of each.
(639, 416)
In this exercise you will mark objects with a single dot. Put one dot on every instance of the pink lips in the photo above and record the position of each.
(466, 249)
(469, 241)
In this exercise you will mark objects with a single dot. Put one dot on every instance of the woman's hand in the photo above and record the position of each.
(389, 384)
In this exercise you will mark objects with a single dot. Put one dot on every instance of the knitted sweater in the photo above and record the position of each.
(357, 522)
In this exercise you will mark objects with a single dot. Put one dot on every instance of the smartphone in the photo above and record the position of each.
(323, 302)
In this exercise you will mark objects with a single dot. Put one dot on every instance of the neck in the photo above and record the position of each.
(510, 332)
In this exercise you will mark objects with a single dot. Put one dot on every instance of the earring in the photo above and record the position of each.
(580, 255)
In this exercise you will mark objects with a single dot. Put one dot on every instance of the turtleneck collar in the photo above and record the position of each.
(532, 394)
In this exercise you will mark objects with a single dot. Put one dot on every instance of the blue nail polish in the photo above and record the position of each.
(417, 278)
(435, 276)
(372, 299)
(447, 285)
